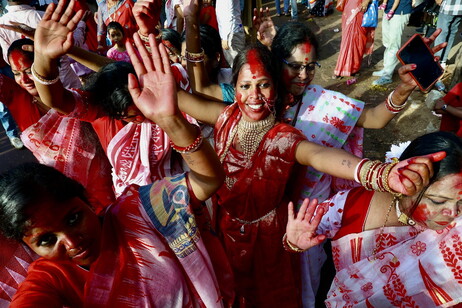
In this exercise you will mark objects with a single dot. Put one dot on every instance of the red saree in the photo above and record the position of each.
(356, 40)
(449, 122)
(252, 215)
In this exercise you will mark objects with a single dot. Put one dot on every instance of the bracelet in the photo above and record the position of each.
(195, 57)
(391, 106)
(288, 246)
(144, 38)
(373, 175)
(358, 168)
(42, 80)
(444, 107)
(385, 178)
(193, 147)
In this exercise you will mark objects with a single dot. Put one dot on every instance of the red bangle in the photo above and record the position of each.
(193, 147)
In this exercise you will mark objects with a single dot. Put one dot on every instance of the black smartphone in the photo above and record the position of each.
(428, 71)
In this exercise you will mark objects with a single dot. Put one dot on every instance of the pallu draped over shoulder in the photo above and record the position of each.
(252, 214)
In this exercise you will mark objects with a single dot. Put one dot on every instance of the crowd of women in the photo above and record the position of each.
(182, 224)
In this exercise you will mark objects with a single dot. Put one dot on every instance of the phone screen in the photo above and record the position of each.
(428, 71)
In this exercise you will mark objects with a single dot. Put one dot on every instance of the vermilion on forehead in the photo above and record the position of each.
(19, 61)
(306, 48)
(255, 63)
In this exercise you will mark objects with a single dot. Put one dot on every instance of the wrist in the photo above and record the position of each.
(288, 246)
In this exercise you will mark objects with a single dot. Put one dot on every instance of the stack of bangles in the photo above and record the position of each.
(41, 79)
(392, 107)
(373, 175)
(194, 57)
(145, 39)
(193, 147)
(288, 246)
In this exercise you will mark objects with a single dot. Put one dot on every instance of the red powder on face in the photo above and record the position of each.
(421, 213)
(255, 63)
(306, 47)
(19, 61)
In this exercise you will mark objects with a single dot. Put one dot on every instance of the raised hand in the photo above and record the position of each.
(191, 8)
(412, 175)
(154, 93)
(405, 69)
(21, 28)
(53, 36)
(266, 31)
(301, 230)
(147, 15)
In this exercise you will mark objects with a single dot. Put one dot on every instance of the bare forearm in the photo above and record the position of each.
(206, 174)
(379, 116)
(333, 161)
(200, 80)
(203, 110)
(53, 95)
(91, 60)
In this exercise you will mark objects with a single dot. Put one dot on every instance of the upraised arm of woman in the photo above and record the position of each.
(200, 81)
(154, 93)
(380, 115)
(53, 39)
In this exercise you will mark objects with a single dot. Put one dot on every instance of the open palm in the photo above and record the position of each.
(301, 229)
(155, 91)
(53, 36)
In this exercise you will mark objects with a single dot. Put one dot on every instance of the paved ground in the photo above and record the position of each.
(9, 156)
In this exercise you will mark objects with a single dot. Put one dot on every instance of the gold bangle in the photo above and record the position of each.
(195, 56)
(144, 38)
(288, 246)
(41, 79)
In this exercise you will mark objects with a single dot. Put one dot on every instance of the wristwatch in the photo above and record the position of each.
(444, 107)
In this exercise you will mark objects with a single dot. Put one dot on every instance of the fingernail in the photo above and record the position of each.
(411, 160)
(401, 170)
(413, 66)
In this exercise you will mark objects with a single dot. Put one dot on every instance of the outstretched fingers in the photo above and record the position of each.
(141, 61)
(156, 58)
(56, 16)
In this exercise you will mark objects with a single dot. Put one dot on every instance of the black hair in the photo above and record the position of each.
(289, 36)
(436, 142)
(17, 45)
(271, 64)
(173, 37)
(27, 185)
(109, 88)
(116, 26)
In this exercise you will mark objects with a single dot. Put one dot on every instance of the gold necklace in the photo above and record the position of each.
(380, 239)
(402, 217)
(250, 135)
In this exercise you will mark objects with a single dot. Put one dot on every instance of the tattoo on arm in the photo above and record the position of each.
(346, 162)
(189, 160)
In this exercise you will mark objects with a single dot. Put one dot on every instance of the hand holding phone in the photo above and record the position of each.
(428, 71)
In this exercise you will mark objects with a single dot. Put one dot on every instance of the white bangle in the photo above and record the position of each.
(41, 79)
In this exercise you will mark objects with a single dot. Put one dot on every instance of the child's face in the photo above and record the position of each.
(115, 35)
(206, 2)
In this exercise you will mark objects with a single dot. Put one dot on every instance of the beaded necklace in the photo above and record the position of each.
(250, 134)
